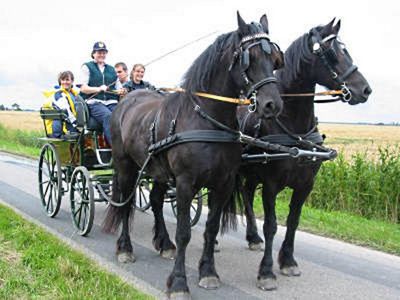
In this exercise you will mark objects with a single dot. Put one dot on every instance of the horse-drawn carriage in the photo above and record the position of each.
(81, 164)
(200, 143)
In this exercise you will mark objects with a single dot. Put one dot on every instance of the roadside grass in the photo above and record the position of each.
(379, 235)
(34, 264)
(20, 141)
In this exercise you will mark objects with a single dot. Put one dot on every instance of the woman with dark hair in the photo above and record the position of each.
(62, 98)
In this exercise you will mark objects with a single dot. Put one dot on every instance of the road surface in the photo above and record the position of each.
(330, 269)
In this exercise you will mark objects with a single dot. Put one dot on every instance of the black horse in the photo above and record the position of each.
(317, 57)
(240, 63)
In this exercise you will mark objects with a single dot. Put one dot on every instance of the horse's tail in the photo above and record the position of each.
(115, 214)
(123, 181)
(229, 211)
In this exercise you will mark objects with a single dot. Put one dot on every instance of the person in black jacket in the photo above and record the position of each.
(136, 80)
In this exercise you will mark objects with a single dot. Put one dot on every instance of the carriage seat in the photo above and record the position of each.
(83, 117)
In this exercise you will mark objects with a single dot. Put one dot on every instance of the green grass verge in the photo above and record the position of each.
(379, 235)
(34, 264)
(20, 142)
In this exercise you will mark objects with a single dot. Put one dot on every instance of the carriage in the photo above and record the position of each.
(81, 165)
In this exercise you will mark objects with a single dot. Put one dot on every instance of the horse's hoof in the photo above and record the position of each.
(126, 257)
(168, 254)
(255, 246)
(210, 283)
(179, 296)
(267, 284)
(291, 271)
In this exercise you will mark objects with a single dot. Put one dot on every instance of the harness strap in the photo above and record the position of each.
(207, 117)
(348, 72)
(203, 136)
(287, 140)
(259, 84)
(293, 135)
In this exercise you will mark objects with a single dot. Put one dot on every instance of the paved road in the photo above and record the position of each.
(330, 269)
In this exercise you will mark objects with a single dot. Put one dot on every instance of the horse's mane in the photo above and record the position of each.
(198, 76)
(296, 56)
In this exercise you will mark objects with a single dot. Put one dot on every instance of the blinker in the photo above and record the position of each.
(245, 60)
(266, 46)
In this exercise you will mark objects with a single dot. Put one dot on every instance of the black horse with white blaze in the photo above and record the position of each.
(317, 57)
(193, 142)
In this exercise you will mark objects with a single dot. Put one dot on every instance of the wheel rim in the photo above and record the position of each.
(142, 201)
(195, 208)
(50, 184)
(82, 202)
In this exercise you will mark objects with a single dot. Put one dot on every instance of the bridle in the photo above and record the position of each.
(243, 56)
(329, 59)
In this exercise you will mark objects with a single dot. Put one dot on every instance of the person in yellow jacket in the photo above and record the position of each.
(62, 98)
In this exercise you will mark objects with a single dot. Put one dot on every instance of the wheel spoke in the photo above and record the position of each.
(49, 199)
(85, 217)
(79, 216)
(48, 169)
(77, 211)
(47, 154)
(47, 189)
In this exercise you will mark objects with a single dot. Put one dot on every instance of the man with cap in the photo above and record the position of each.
(98, 87)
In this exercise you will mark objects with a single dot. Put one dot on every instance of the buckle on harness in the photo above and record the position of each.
(253, 102)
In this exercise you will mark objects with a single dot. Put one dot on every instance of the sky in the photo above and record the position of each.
(41, 38)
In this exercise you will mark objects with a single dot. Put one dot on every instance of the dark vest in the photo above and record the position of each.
(96, 78)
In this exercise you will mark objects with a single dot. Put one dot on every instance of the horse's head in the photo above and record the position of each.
(334, 66)
(252, 64)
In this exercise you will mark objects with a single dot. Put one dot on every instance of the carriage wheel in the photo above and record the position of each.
(50, 184)
(195, 207)
(142, 202)
(82, 200)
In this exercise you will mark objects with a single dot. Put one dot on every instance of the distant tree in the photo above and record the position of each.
(16, 106)
(2, 107)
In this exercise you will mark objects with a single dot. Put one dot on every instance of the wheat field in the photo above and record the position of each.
(347, 138)
(352, 138)
(21, 120)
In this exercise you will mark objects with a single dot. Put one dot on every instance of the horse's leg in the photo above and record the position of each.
(217, 198)
(161, 240)
(266, 279)
(287, 263)
(177, 283)
(252, 236)
(126, 177)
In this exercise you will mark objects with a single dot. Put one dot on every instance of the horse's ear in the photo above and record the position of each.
(336, 27)
(328, 28)
(241, 22)
(264, 23)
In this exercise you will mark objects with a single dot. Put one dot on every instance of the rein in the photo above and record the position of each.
(239, 101)
(324, 93)
(245, 101)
